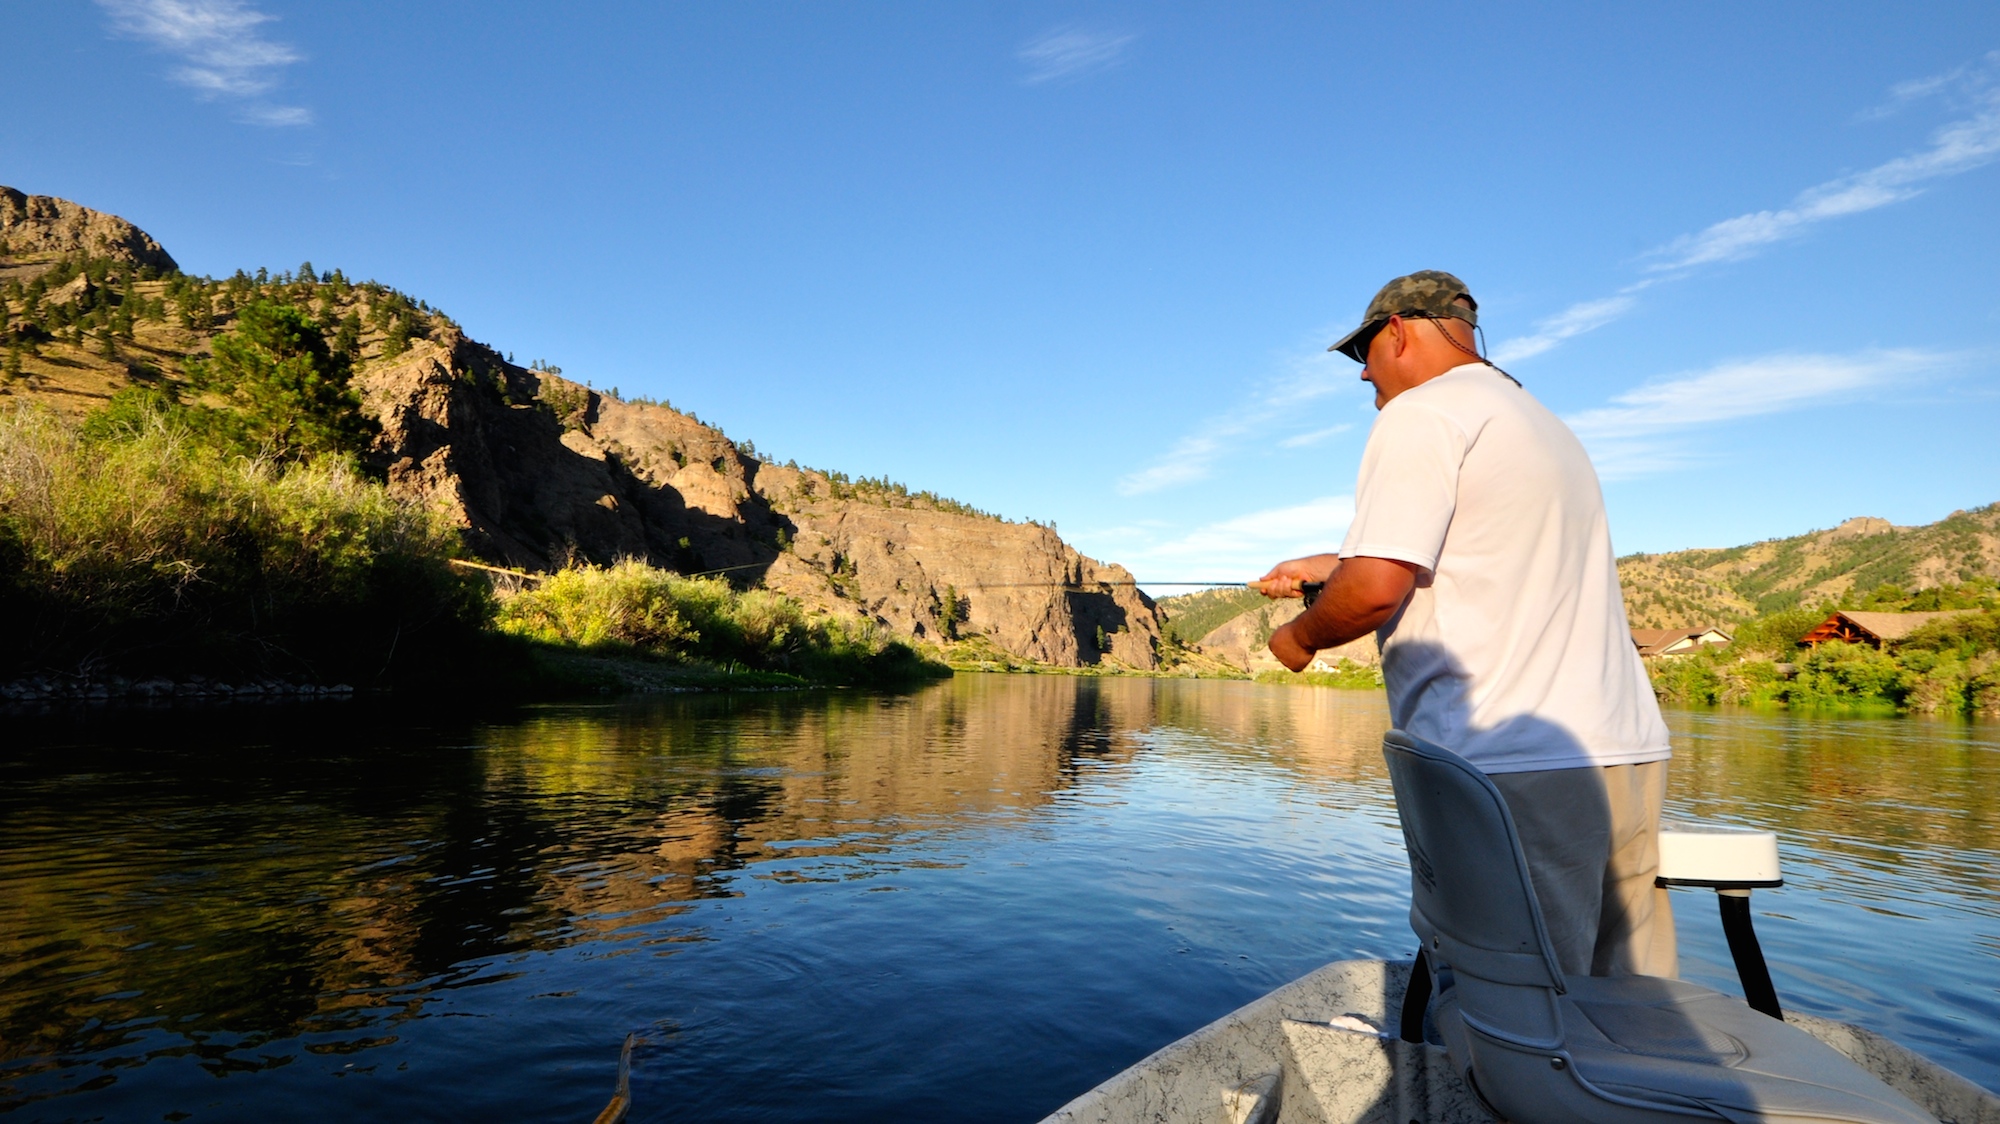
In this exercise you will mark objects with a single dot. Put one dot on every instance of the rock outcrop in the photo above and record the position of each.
(42, 226)
(541, 471)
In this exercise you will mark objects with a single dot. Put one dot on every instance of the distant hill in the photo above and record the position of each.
(1688, 588)
(1191, 616)
(1722, 587)
(538, 470)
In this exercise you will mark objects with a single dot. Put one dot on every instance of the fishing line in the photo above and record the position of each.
(1065, 586)
(1044, 584)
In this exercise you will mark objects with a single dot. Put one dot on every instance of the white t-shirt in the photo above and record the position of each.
(1513, 650)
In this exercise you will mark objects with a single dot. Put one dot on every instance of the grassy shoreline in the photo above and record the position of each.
(146, 551)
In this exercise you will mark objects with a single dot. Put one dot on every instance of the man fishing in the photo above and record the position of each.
(1480, 556)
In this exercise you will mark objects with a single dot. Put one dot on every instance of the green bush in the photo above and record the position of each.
(1748, 682)
(133, 545)
(632, 607)
(1687, 680)
(1847, 674)
(628, 605)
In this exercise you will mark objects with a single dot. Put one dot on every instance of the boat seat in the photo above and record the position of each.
(1542, 1047)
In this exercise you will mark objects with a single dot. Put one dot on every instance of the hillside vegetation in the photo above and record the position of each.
(1822, 569)
(190, 492)
(1191, 616)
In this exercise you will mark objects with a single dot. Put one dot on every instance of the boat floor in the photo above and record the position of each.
(1323, 1049)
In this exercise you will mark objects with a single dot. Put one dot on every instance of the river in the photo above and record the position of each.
(971, 903)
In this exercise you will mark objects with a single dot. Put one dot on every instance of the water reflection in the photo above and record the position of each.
(837, 905)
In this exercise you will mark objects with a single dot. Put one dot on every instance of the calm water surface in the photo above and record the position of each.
(970, 903)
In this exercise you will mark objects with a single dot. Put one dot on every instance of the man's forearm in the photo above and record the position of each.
(1343, 612)
(1360, 596)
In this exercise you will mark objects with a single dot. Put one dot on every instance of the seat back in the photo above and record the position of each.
(1646, 1051)
(1471, 901)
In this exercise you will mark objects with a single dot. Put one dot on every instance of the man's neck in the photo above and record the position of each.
(1418, 381)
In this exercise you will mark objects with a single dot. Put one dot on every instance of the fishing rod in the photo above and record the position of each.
(1277, 587)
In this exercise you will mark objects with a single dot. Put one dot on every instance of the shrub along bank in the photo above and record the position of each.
(632, 609)
(1949, 667)
(131, 545)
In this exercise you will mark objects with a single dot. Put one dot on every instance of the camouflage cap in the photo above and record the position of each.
(1429, 293)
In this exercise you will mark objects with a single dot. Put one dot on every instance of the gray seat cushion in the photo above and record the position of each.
(1669, 1042)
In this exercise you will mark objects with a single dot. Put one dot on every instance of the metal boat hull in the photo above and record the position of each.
(1323, 1050)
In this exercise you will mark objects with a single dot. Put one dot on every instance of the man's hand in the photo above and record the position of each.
(1285, 645)
(1361, 594)
(1286, 577)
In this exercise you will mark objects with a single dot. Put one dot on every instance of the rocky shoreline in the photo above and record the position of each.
(115, 688)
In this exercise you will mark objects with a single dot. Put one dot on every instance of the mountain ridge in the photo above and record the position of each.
(540, 471)
(1730, 585)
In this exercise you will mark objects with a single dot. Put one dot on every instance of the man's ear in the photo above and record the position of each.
(1398, 331)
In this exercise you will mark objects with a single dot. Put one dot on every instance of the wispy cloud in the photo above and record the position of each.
(1970, 142)
(1070, 52)
(1305, 440)
(277, 115)
(1190, 460)
(222, 49)
(1270, 407)
(1958, 147)
(1649, 429)
(1967, 78)
(1572, 321)
(1242, 546)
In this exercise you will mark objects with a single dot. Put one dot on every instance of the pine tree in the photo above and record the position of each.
(397, 341)
(290, 388)
(13, 370)
(347, 341)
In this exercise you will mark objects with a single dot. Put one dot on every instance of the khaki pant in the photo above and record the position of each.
(1592, 840)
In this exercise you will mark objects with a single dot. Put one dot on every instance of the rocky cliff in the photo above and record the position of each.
(36, 228)
(541, 471)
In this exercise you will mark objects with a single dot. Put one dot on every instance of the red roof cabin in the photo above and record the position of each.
(1873, 629)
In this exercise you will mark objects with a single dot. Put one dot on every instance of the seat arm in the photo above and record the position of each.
(1718, 857)
(1732, 861)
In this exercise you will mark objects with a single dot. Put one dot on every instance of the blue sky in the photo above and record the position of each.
(1080, 261)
